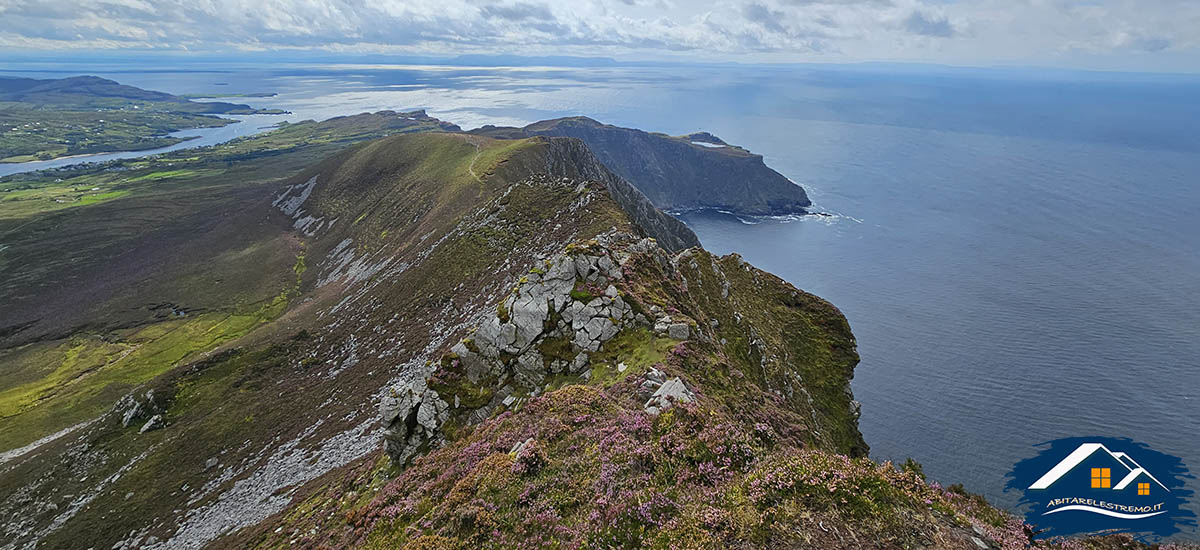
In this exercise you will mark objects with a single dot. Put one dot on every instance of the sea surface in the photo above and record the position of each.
(1017, 251)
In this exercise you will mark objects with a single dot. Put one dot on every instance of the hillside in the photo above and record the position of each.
(678, 173)
(431, 339)
(45, 119)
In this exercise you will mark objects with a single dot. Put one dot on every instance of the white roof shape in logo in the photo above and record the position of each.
(1082, 453)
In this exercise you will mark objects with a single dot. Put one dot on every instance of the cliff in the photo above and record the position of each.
(441, 340)
(678, 173)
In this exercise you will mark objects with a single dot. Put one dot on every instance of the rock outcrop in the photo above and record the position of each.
(563, 310)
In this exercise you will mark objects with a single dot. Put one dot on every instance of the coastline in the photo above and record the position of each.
(178, 140)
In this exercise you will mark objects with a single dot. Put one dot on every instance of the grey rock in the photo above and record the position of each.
(530, 369)
(672, 391)
(608, 330)
(678, 331)
(156, 422)
(528, 315)
(580, 363)
(516, 450)
(411, 413)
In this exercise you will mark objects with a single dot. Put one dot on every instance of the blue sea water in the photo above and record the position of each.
(1017, 251)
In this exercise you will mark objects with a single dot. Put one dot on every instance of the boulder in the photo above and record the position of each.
(156, 422)
(670, 392)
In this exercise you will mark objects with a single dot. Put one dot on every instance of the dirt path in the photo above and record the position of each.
(471, 167)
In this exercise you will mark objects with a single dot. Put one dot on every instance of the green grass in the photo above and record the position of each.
(54, 386)
(30, 133)
(165, 174)
(639, 348)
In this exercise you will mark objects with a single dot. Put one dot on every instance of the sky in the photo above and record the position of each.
(1129, 35)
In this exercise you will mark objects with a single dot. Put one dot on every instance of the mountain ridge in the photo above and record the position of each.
(440, 340)
(674, 172)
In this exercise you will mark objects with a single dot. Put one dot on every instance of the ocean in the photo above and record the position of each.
(1017, 250)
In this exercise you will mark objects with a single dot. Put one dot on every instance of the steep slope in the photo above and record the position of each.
(678, 173)
(113, 274)
(400, 243)
(479, 344)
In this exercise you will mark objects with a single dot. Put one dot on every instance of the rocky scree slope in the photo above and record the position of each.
(678, 173)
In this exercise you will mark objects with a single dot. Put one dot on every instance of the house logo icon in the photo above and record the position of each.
(1103, 462)
(1094, 484)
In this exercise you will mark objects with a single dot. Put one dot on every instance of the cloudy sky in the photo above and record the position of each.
(1153, 35)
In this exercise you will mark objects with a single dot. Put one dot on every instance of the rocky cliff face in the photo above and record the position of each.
(678, 173)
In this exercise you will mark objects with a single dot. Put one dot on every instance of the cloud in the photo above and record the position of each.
(961, 31)
(758, 13)
(919, 23)
(518, 12)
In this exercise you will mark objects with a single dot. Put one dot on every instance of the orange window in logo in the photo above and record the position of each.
(1102, 478)
(1143, 488)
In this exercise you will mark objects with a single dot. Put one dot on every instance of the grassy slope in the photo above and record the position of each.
(229, 399)
(744, 467)
(751, 464)
(173, 224)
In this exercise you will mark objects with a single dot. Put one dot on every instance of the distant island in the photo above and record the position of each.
(82, 115)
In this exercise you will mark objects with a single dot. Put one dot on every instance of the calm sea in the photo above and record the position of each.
(1018, 252)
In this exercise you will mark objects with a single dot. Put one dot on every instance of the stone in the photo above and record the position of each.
(412, 414)
(979, 543)
(528, 317)
(516, 450)
(608, 330)
(530, 369)
(678, 331)
(671, 392)
(611, 291)
(621, 367)
(156, 422)
(211, 463)
(580, 363)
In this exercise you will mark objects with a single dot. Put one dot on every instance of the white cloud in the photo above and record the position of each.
(964, 31)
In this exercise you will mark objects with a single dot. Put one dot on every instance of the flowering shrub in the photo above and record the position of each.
(857, 487)
(750, 464)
